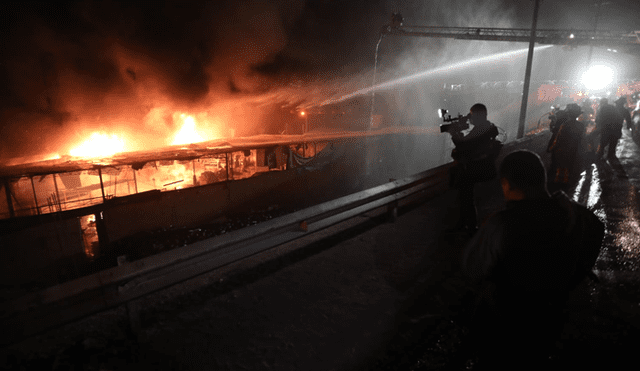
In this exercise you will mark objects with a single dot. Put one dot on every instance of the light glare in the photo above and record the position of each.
(597, 77)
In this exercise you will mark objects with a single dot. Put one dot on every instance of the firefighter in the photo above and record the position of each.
(623, 111)
(565, 149)
(557, 117)
(591, 144)
(587, 112)
(609, 125)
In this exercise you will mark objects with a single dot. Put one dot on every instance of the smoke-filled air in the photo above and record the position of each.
(88, 78)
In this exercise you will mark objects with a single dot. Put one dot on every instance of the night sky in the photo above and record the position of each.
(67, 69)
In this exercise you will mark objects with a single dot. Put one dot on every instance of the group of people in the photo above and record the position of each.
(524, 261)
(569, 143)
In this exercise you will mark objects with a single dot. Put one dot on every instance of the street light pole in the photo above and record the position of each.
(595, 28)
(527, 74)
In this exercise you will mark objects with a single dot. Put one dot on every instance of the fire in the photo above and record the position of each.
(549, 93)
(194, 129)
(51, 156)
(187, 134)
(99, 145)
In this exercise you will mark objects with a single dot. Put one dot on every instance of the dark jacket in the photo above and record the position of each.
(567, 143)
(475, 156)
(476, 145)
(609, 120)
(535, 250)
(524, 262)
(625, 114)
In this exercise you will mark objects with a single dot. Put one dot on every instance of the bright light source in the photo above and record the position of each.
(572, 36)
(597, 77)
(302, 113)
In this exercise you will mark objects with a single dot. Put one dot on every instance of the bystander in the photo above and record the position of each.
(523, 263)
(474, 156)
(609, 125)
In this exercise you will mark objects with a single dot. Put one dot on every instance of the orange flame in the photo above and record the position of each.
(188, 133)
(99, 145)
(51, 156)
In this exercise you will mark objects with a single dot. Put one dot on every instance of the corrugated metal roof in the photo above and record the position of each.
(194, 151)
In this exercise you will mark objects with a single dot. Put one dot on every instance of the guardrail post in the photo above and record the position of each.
(135, 325)
(393, 211)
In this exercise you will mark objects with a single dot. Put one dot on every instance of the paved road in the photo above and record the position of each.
(341, 304)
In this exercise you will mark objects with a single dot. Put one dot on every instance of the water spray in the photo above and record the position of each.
(431, 72)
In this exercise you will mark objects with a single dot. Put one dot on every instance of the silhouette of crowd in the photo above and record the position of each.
(523, 262)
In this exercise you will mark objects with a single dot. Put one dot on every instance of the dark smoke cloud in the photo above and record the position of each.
(83, 65)
(66, 68)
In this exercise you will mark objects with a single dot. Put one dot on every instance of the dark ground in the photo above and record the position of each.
(378, 296)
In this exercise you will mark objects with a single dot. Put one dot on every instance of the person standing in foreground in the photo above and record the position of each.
(475, 155)
(524, 262)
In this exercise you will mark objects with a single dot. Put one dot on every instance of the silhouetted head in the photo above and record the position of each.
(523, 176)
(620, 102)
(604, 101)
(478, 109)
(573, 110)
(478, 113)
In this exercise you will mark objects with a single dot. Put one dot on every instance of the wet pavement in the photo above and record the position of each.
(376, 296)
(602, 324)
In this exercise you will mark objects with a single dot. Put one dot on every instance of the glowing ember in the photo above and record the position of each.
(187, 133)
(99, 145)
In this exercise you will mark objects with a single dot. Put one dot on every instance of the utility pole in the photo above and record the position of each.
(527, 74)
(595, 27)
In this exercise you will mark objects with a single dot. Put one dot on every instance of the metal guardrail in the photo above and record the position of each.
(69, 301)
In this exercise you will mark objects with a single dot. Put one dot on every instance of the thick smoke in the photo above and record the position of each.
(79, 67)
(69, 69)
